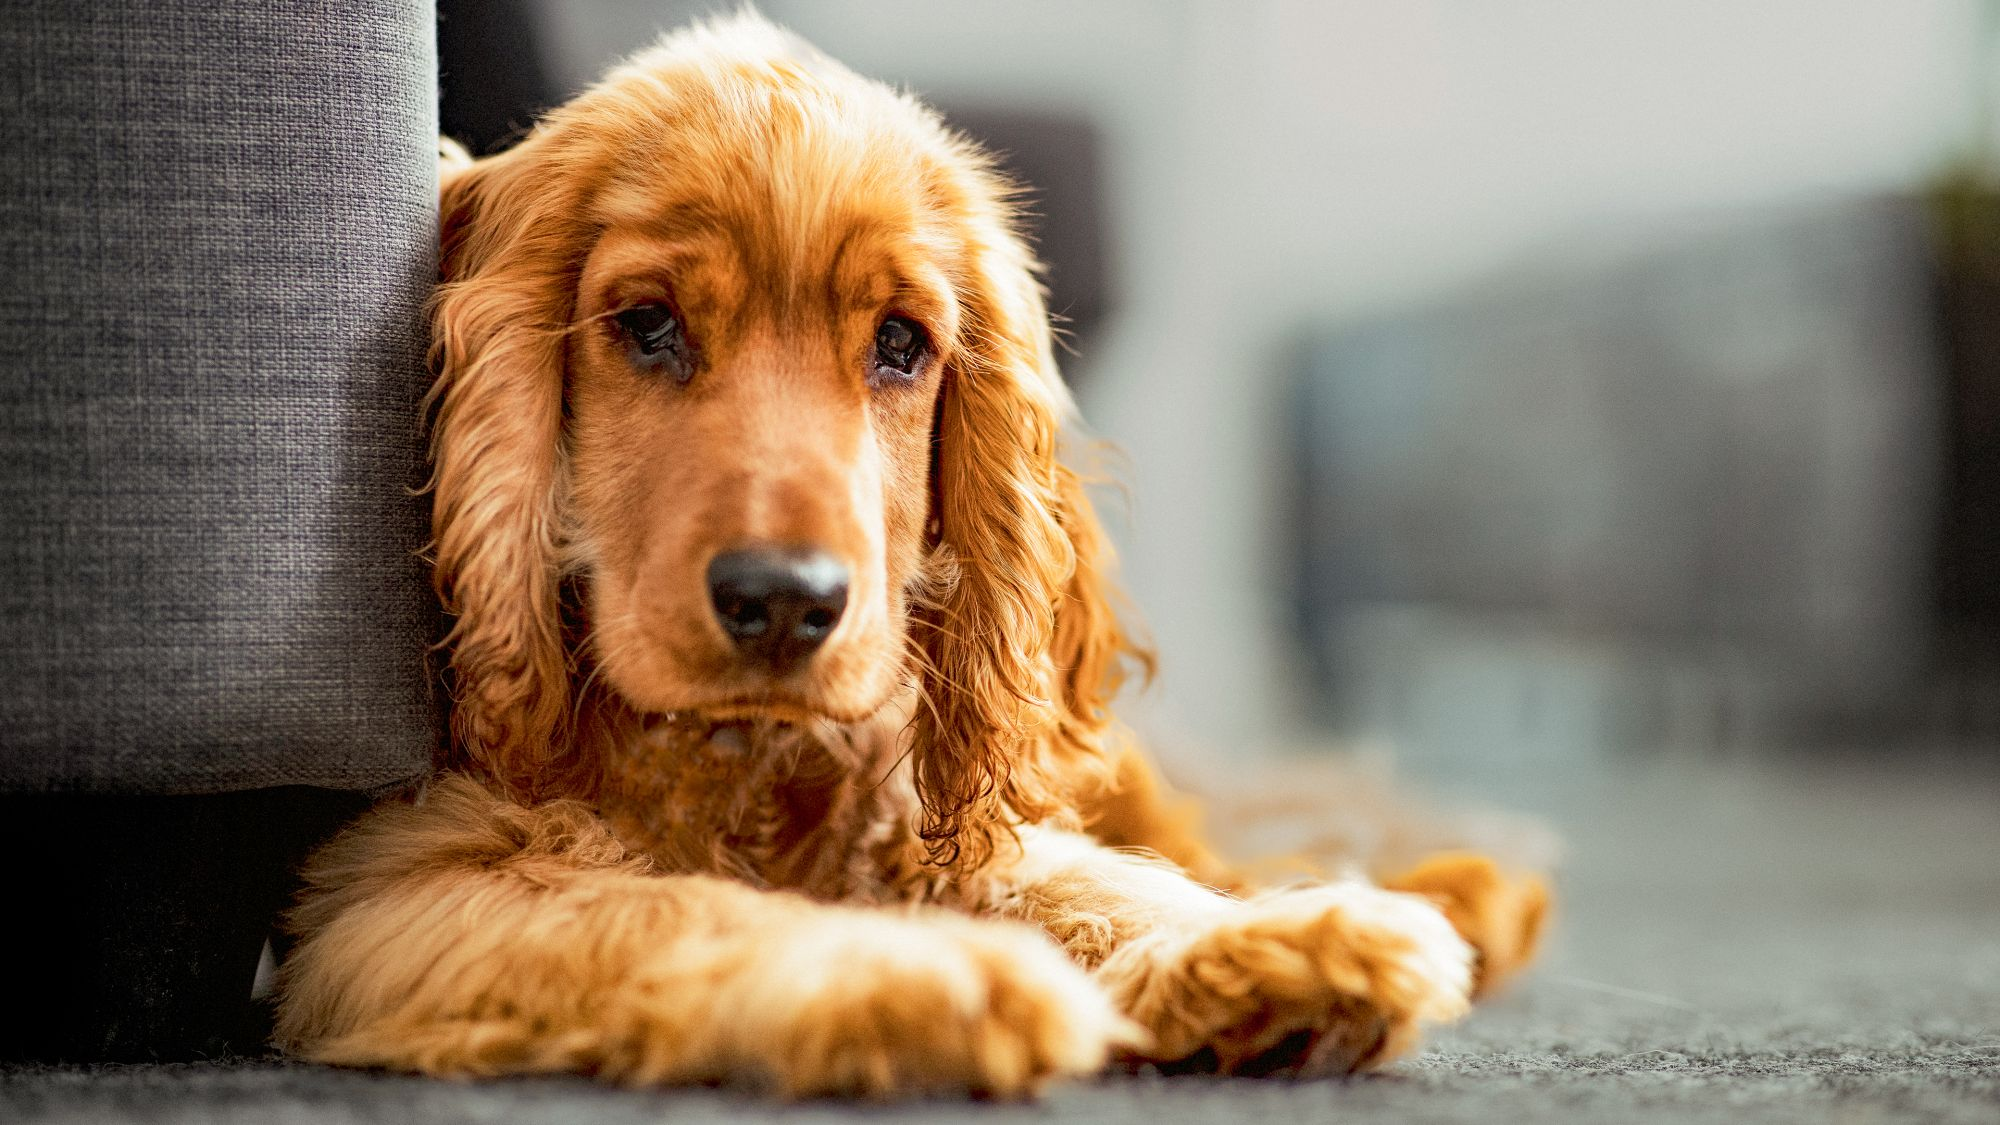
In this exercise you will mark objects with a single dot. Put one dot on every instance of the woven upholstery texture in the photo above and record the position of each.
(217, 230)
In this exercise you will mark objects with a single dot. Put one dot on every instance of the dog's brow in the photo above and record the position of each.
(850, 283)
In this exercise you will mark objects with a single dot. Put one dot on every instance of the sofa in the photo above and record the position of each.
(217, 232)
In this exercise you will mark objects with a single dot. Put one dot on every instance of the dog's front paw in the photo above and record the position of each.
(1323, 979)
(885, 1007)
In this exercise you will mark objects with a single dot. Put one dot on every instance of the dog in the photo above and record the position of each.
(782, 655)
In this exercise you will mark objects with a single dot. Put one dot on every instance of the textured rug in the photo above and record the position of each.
(1797, 945)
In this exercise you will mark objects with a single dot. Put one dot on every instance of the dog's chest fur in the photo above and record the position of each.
(825, 811)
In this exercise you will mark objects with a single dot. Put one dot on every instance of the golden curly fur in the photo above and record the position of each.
(924, 860)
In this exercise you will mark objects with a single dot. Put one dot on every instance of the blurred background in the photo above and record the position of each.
(1524, 387)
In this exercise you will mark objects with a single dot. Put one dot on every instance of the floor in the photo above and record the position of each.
(1806, 943)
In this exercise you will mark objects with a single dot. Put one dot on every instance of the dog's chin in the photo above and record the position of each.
(662, 689)
(782, 709)
(777, 705)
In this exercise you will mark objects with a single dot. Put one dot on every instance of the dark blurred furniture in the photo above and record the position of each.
(1967, 287)
(1059, 158)
(493, 80)
(217, 229)
(1714, 460)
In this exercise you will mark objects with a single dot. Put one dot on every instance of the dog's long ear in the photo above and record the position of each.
(497, 350)
(1022, 650)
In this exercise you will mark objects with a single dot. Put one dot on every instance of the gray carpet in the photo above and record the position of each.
(1735, 945)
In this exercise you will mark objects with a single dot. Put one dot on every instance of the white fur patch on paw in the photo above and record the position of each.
(1437, 963)
(1327, 978)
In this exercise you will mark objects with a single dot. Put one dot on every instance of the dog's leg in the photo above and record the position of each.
(465, 935)
(1139, 809)
(1501, 913)
(1333, 977)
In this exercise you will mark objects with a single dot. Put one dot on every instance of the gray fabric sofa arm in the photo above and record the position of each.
(217, 230)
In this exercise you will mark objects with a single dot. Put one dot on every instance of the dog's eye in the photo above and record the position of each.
(654, 328)
(659, 340)
(899, 347)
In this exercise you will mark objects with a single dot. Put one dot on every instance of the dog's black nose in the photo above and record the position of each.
(777, 605)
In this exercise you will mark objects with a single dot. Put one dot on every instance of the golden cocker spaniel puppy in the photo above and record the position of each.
(782, 657)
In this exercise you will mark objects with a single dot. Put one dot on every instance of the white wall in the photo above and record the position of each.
(1275, 162)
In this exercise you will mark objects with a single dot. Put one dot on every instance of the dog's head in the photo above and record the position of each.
(747, 351)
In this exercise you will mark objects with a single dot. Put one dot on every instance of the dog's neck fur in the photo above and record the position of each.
(822, 809)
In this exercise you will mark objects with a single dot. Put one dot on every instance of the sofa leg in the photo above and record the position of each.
(138, 921)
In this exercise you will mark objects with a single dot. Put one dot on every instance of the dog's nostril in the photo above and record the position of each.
(777, 605)
(744, 618)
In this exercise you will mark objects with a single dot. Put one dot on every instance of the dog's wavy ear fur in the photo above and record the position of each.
(1022, 651)
(498, 320)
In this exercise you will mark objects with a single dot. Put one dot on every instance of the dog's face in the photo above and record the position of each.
(747, 350)
(752, 391)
